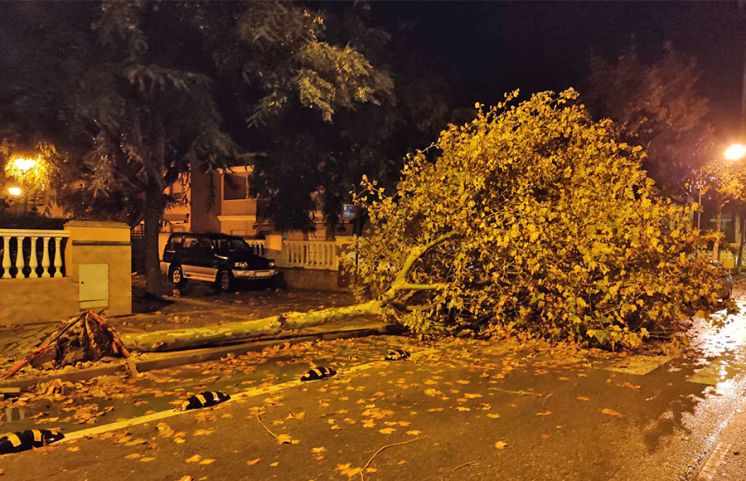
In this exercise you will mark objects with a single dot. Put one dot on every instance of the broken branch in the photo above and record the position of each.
(259, 418)
(382, 449)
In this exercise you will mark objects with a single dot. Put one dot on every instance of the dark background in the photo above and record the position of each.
(488, 48)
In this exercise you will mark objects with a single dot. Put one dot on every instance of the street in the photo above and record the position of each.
(458, 409)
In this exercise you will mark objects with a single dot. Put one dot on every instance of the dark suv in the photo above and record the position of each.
(217, 258)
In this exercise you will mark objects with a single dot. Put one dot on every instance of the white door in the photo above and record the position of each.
(93, 284)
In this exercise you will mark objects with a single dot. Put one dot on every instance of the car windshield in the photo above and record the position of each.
(226, 246)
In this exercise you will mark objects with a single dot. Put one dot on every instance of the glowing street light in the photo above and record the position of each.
(15, 191)
(24, 164)
(735, 152)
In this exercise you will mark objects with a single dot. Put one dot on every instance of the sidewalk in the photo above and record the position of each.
(193, 311)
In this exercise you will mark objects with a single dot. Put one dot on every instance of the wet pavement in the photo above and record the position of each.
(460, 409)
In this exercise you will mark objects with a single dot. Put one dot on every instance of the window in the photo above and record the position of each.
(176, 242)
(235, 187)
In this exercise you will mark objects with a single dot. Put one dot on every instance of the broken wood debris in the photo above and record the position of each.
(87, 337)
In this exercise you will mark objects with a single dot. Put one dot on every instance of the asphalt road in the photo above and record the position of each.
(459, 410)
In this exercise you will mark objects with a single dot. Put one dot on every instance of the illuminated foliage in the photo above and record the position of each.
(534, 216)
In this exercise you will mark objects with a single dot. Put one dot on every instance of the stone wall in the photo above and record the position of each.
(97, 276)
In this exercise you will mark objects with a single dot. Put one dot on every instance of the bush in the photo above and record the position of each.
(29, 221)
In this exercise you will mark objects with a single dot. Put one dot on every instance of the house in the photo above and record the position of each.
(221, 201)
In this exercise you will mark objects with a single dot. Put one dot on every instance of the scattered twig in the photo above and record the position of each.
(654, 396)
(519, 393)
(545, 400)
(468, 463)
(383, 448)
(259, 418)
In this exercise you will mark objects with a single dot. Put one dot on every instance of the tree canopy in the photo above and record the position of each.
(657, 104)
(134, 99)
(534, 216)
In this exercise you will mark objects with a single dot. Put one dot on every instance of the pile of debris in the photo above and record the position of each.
(88, 337)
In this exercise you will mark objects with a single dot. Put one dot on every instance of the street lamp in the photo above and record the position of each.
(15, 191)
(735, 152)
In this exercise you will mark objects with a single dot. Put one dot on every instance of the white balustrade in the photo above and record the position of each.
(15, 238)
(320, 255)
(257, 245)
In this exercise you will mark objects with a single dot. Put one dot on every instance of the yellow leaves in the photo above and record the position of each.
(164, 430)
(583, 398)
(253, 462)
(414, 432)
(193, 459)
(472, 395)
(286, 439)
(349, 471)
(203, 432)
(386, 430)
(493, 415)
(544, 413)
(500, 445)
(611, 412)
(432, 392)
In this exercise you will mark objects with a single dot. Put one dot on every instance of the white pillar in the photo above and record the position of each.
(19, 257)
(32, 262)
(6, 257)
(57, 257)
(45, 257)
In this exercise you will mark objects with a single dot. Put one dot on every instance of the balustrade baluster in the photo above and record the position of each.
(57, 257)
(20, 264)
(6, 257)
(45, 257)
(32, 261)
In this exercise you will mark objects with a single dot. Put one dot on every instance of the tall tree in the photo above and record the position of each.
(327, 159)
(656, 104)
(136, 93)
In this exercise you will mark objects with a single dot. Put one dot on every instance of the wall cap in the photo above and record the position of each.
(97, 223)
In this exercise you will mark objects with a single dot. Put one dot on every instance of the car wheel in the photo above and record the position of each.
(224, 281)
(176, 276)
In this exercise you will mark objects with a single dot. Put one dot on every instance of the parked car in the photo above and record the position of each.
(216, 258)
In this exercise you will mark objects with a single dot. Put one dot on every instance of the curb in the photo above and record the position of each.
(179, 358)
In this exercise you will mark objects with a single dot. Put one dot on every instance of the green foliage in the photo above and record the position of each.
(534, 216)
(313, 164)
(284, 52)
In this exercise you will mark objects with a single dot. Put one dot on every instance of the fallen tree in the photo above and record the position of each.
(532, 216)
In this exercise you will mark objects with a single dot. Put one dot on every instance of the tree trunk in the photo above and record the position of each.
(741, 237)
(237, 331)
(155, 204)
(718, 223)
(153, 212)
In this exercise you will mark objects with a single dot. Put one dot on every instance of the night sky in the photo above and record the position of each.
(489, 48)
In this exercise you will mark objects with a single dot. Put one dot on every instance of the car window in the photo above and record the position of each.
(228, 246)
(190, 243)
(176, 242)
